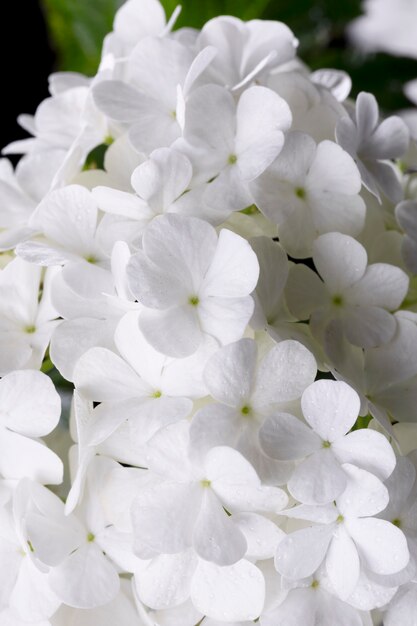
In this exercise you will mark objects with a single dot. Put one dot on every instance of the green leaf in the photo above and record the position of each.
(77, 29)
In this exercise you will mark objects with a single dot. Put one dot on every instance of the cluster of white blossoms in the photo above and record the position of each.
(217, 250)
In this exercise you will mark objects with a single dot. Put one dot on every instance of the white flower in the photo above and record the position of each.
(245, 50)
(309, 190)
(346, 537)
(406, 214)
(192, 283)
(135, 20)
(27, 320)
(67, 122)
(401, 511)
(139, 392)
(385, 377)
(186, 504)
(90, 318)
(388, 25)
(29, 409)
(402, 609)
(314, 109)
(120, 611)
(330, 409)
(228, 592)
(271, 310)
(361, 296)
(246, 392)
(160, 184)
(83, 551)
(159, 75)
(309, 602)
(25, 587)
(20, 192)
(68, 221)
(233, 142)
(372, 144)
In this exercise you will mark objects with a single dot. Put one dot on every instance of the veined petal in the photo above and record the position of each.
(86, 579)
(164, 516)
(381, 545)
(165, 581)
(342, 564)
(229, 374)
(235, 592)
(331, 408)
(30, 403)
(367, 449)
(318, 480)
(301, 553)
(283, 374)
(101, 375)
(286, 438)
(216, 537)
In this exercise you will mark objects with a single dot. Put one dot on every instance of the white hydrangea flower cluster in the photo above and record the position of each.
(217, 249)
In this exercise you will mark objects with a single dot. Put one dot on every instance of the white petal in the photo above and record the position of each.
(262, 116)
(157, 287)
(229, 374)
(301, 553)
(342, 564)
(72, 229)
(261, 534)
(283, 374)
(225, 319)
(165, 581)
(175, 332)
(286, 438)
(331, 408)
(367, 113)
(101, 375)
(22, 457)
(214, 425)
(304, 291)
(368, 449)
(86, 579)
(334, 170)
(382, 285)
(340, 260)
(273, 263)
(216, 537)
(390, 140)
(382, 546)
(120, 101)
(368, 326)
(317, 480)
(365, 494)
(30, 401)
(121, 203)
(402, 608)
(232, 593)
(181, 245)
(210, 122)
(163, 178)
(164, 517)
(299, 607)
(167, 452)
(234, 268)
(74, 337)
(32, 597)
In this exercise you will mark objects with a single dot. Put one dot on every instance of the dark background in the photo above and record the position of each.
(39, 36)
(27, 60)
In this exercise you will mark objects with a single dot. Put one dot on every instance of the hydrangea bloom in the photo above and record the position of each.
(213, 255)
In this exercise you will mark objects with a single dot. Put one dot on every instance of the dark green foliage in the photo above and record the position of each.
(77, 29)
